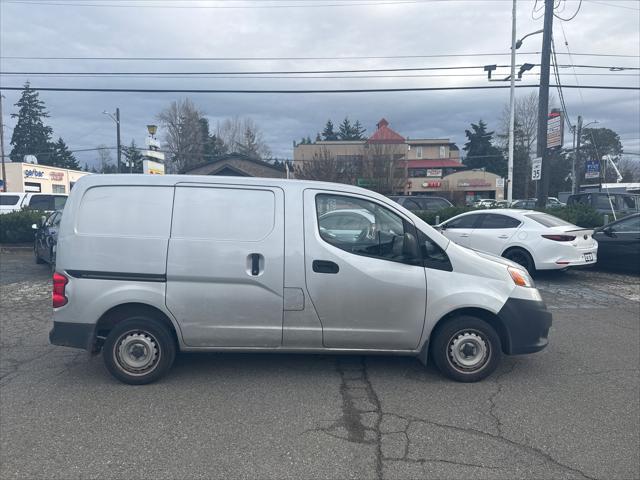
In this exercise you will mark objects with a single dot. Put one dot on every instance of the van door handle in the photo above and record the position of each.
(465, 235)
(255, 264)
(325, 266)
(503, 236)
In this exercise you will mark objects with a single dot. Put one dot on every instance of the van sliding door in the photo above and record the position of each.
(225, 265)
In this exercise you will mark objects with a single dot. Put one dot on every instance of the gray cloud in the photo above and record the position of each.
(406, 29)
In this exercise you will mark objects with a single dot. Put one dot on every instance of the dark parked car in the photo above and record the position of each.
(530, 203)
(46, 238)
(619, 244)
(621, 203)
(421, 203)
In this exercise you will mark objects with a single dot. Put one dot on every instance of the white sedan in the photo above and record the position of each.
(535, 240)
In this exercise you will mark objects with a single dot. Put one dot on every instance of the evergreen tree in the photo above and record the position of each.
(345, 130)
(328, 133)
(358, 131)
(250, 146)
(62, 157)
(30, 135)
(214, 146)
(308, 140)
(481, 153)
(133, 156)
(318, 137)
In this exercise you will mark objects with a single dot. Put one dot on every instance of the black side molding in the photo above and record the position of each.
(132, 277)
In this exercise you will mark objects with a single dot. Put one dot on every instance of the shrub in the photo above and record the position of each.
(15, 227)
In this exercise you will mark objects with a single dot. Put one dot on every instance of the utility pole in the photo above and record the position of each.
(576, 156)
(118, 136)
(512, 108)
(4, 171)
(543, 101)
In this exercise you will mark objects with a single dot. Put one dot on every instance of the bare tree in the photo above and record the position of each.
(105, 162)
(384, 168)
(183, 135)
(629, 169)
(325, 167)
(242, 135)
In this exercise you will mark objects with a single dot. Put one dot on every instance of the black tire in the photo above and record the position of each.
(39, 260)
(476, 335)
(140, 333)
(521, 257)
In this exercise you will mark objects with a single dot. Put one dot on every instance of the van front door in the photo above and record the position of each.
(364, 281)
(225, 265)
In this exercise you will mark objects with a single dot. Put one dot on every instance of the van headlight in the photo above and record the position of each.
(520, 277)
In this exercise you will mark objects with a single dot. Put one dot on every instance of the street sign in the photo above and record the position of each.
(555, 132)
(536, 168)
(592, 169)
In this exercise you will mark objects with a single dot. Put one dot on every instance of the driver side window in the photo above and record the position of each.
(366, 228)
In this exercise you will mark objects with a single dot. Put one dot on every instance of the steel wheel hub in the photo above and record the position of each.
(468, 351)
(137, 353)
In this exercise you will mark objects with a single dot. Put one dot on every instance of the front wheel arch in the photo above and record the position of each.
(523, 250)
(489, 317)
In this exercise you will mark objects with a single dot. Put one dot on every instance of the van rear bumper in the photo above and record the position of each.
(527, 324)
(76, 335)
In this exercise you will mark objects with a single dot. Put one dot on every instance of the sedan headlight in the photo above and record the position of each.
(520, 277)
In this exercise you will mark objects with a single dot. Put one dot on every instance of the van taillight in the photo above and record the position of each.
(560, 238)
(59, 284)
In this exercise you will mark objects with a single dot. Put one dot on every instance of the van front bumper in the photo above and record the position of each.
(76, 335)
(527, 324)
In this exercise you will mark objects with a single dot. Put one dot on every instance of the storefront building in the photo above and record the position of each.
(461, 188)
(28, 177)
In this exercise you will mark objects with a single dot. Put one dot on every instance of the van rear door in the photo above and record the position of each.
(225, 265)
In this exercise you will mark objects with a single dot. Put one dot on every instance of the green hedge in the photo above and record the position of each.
(15, 227)
(580, 215)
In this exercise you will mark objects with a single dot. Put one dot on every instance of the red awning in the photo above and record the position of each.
(434, 163)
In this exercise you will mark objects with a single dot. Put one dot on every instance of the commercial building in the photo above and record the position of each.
(29, 177)
(238, 165)
(418, 166)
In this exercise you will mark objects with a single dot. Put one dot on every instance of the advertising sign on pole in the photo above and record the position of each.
(536, 168)
(555, 130)
(152, 168)
(592, 169)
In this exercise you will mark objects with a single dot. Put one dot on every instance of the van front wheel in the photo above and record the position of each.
(139, 351)
(466, 349)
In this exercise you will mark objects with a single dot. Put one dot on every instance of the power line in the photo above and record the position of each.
(559, 84)
(271, 59)
(572, 16)
(319, 77)
(299, 72)
(308, 91)
(228, 7)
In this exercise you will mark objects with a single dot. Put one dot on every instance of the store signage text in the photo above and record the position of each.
(473, 183)
(33, 173)
(57, 176)
(431, 184)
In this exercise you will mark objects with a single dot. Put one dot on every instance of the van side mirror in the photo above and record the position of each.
(608, 231)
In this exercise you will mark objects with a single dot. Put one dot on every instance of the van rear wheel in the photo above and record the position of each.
(466, 349)
(139, 350)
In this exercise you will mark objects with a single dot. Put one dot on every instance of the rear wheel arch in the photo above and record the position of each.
(523, 249)
(119, 313)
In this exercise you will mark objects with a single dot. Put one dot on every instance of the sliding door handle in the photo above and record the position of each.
(325, 266)
(255, 264)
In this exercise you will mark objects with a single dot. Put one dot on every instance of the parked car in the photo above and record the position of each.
(535, 240)
(46, 238)
(417, 203)
(531, 203)
(621, 203)
(502, 204)
(47, 202)
(484, 203)
(619, 244)
(148, 265)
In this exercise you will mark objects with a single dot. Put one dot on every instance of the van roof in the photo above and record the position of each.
(170, 180)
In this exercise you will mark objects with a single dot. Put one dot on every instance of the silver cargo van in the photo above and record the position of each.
(151, 265)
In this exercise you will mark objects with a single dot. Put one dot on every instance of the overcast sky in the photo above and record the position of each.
(150, 28)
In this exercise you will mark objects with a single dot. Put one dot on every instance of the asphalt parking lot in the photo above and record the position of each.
(571, 411)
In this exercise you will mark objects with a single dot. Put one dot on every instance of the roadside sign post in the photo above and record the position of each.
(536, 169)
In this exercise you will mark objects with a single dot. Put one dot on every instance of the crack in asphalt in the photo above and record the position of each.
(359, 400)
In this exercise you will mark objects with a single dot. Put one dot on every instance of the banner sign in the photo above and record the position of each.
(152, 168)
(592, 169)
(555, 130)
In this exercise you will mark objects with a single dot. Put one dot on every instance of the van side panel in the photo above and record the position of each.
(225, 266)
(119, 228)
